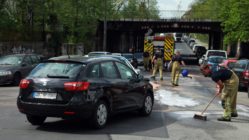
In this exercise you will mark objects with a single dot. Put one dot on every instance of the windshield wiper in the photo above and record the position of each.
(57, 76)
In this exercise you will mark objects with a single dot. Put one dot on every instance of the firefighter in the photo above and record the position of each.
(176, 68)
(146, 59)
(157, 61)
(228, 83)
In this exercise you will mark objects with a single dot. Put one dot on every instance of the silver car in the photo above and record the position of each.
(15, 67)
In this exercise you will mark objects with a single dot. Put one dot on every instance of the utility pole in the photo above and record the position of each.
(105, 27)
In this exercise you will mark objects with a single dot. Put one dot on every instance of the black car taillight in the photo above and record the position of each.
(24, 83)
(76, 86)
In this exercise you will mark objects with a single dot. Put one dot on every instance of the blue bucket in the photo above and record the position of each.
(185, 73)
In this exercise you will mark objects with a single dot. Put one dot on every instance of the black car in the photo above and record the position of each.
(17, 66)
(241, 68)
(139, 57)
(83, 87)
(130, 57)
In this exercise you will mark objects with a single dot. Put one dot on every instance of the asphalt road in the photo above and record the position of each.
(172, 117)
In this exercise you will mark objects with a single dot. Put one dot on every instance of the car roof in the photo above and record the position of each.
(20, 54)
(216, 51)
(81, 59)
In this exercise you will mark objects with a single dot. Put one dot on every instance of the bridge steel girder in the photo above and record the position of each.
(124, 34)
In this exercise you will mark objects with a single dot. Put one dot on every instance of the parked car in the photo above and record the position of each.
(191, 40)
(241, 68)
(228, 63)
(130, 57)
(118, 54)
(200, 51)
(195, 47)
(17, 66)
(213, 62)
(191, 45)
(124, 60)
(212, 53)
(140, 58)
(83, 87)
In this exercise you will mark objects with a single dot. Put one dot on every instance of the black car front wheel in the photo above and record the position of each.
(100, 115)
(147, 105)
(36, 120)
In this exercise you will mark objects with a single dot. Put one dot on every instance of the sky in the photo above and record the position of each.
(169, 8)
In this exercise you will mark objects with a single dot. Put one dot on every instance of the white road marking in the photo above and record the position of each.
(172, 99)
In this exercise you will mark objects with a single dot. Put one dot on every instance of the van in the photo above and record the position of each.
(212, 53)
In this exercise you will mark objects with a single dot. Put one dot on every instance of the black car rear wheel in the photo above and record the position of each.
(36, 120)
(17, 78)
(100, 115)
(147, 105)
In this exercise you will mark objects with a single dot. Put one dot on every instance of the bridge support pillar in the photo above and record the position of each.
(215, 41)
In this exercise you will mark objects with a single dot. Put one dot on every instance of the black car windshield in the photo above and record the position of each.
(56, 70)
(11, 60)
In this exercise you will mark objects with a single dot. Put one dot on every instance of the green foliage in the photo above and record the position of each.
(138, 9)
(65, 21)
(236, 20)
(234, 15)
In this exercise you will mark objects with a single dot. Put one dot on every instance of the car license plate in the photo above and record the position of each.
(44, 95)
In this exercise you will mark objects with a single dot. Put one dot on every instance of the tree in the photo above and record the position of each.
(65, 21)
(233, 14)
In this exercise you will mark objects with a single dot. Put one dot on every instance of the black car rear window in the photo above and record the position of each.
(57, 70)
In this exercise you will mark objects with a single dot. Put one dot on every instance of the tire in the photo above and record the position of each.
(36, 120)
(147, 105)
(17, 78)
(100, 115)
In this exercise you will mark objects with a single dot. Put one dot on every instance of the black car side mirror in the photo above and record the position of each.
(136, 78)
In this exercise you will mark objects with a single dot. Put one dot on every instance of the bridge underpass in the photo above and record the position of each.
(124, 34)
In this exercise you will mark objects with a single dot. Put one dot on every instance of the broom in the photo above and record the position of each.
(200, 116)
